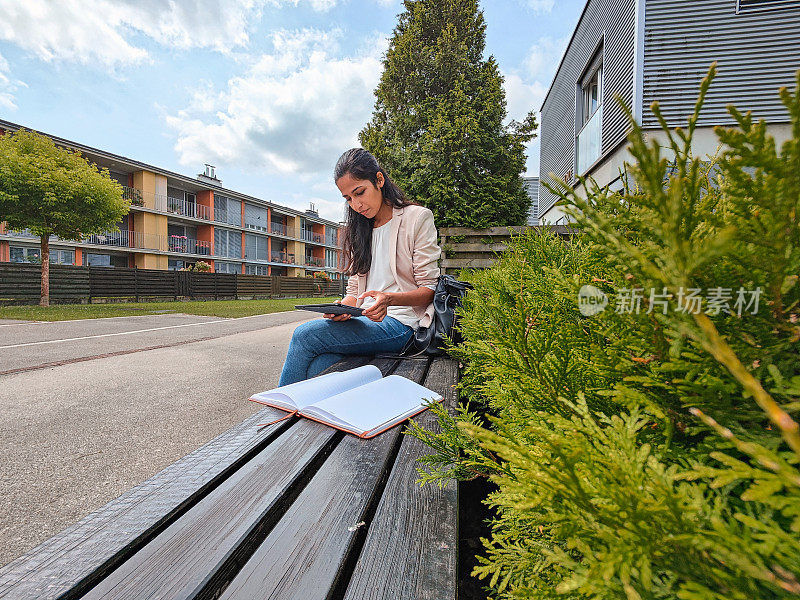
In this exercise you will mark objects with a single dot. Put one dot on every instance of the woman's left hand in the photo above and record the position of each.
(377, 311)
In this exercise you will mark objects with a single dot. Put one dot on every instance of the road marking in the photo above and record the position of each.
(104, 335)
(60, 363)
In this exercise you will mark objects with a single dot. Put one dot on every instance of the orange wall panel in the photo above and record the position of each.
(5, 253)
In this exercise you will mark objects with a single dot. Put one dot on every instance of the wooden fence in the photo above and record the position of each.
(479, 248)
(21, 284)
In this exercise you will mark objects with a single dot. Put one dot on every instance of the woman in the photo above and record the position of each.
(391, 257)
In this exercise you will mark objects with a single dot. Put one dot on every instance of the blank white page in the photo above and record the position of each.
(374, 404)
(301, 394)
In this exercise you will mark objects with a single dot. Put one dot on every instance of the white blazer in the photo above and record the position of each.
(413, 257)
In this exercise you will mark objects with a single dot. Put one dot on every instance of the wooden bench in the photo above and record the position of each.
(291, 510)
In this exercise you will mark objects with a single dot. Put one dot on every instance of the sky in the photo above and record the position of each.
(270, 92)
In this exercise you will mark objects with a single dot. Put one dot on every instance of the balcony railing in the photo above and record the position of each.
(178, 206)
(24, 233)
(283, 257)
(186, 245)
(127, 239)
(310, 236)
(314, 262)
(135, 196)
(165, 204)
(331, 240)
(589, 141)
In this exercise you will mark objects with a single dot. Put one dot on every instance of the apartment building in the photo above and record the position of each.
(176, 220)
(531, 185)
(648, 50)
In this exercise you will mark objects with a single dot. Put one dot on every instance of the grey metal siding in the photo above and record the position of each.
(613, 23)
(757, 52)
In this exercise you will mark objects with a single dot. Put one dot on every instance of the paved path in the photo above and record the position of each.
(120, 408)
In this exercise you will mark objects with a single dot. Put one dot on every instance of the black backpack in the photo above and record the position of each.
(448, 296)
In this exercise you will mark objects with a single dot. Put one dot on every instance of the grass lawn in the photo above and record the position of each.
(211, 308)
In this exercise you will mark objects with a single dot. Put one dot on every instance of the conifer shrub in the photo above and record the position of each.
(647, 453)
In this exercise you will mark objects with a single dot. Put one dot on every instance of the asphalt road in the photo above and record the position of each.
(90, 408)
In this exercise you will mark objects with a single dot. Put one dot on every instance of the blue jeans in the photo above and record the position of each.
(318, 344)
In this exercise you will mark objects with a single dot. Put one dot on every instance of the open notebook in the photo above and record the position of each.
(360, 401)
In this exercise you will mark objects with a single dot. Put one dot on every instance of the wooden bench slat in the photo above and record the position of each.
(83, 553)
(303, 556)
(194, 549)
(412, 542)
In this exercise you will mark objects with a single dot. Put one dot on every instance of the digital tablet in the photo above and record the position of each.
(331, 309)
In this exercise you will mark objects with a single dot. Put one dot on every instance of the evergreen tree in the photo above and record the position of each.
(438, 120)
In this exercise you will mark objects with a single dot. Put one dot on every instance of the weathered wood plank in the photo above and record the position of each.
(206, 543)
(412, 542)
(504, 230)
(484, 248)
(304, 555)
(85, 552)
(478, 263)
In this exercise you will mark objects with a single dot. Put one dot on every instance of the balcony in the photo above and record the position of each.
(310, 236)
(311, 261)
(127, 239)
(178, 206)
(283, 257)
(22, 233)
(186, 245)
(135, 196)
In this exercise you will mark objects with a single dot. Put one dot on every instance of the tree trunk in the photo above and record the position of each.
(45, 254)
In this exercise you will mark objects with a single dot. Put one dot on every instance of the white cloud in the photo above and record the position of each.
(8, 86)
(543, 57)
(102, 31)
(541, 6)
(71, 30)
(522, 97)
(294, 111)
(333, 210)
(527, 85)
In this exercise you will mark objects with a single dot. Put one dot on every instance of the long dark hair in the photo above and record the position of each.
(357, 244)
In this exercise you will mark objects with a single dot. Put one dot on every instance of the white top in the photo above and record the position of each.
(380, 278)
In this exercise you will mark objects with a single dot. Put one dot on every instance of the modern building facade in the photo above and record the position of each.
(531, 185)
(177, 220)
(648, 50)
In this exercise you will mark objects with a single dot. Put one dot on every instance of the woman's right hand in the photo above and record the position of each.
(347, 300)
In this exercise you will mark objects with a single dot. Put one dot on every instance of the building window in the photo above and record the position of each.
(20, 254)
(104, 260)
(226, 267)
(255, 247)
(331, 259)
(23, 254)
(255, 217)
(590, 114)
(256, 269)
(176, 265)
(227, 243)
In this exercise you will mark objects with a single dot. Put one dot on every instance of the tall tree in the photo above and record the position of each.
(54, 191)
(438, 119)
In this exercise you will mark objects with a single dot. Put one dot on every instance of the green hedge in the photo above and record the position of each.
(643, 454)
